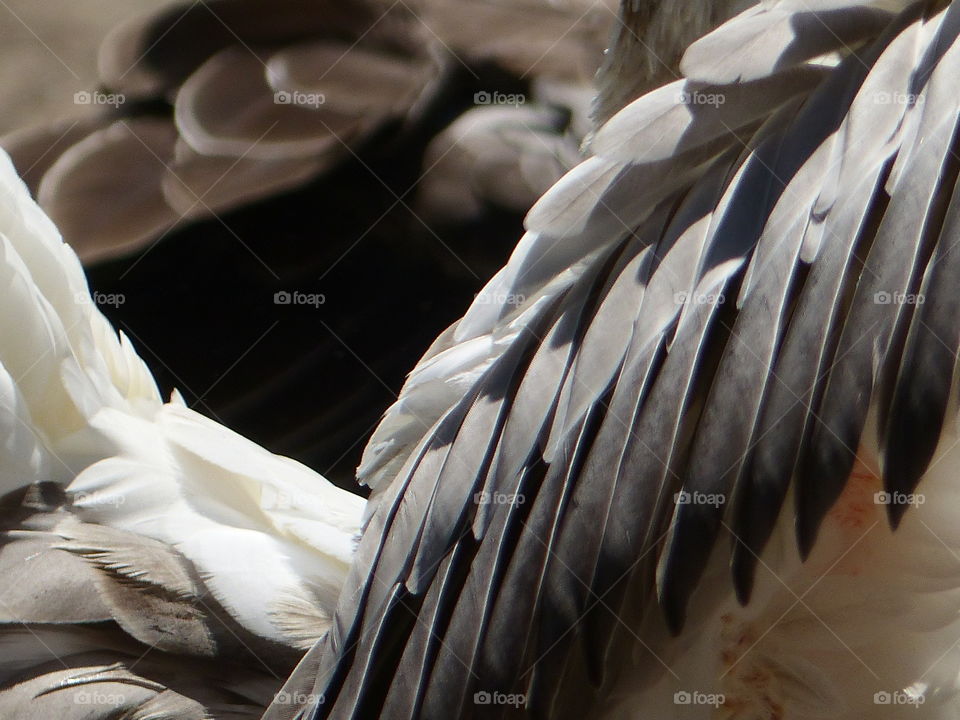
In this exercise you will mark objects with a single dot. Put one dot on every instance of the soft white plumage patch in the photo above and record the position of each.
(79, 407)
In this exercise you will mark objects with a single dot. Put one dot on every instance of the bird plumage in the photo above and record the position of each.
(712, 351)
(422, 135)
(699, 354)
(318, 84)
(131, 526)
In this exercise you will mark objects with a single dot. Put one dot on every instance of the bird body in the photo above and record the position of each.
(690, 454)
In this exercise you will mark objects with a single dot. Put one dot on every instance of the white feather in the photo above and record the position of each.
(78, 406)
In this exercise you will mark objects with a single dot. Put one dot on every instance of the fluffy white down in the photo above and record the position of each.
(79, 407)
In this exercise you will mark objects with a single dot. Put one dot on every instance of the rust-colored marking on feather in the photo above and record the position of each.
(857, 507)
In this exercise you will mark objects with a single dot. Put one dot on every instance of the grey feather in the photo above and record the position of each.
(621, 395)
(136, 152)
(874, 328)
(98, 623)
(920, 398)
(808, 345)
(769, 38)
(153, 53)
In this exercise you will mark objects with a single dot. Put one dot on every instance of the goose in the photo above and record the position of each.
(693, 451)
(155, 564)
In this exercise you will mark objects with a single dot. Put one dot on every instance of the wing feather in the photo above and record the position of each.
(636, 383)
(873, 329)
(921, 395)
(810, 339)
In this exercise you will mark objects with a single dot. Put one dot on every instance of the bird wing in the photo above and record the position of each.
(710, 311)
(130, 526)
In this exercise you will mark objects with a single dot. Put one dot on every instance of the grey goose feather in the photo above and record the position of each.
(696, 440)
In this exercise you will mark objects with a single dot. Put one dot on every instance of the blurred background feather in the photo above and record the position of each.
(283, 203)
